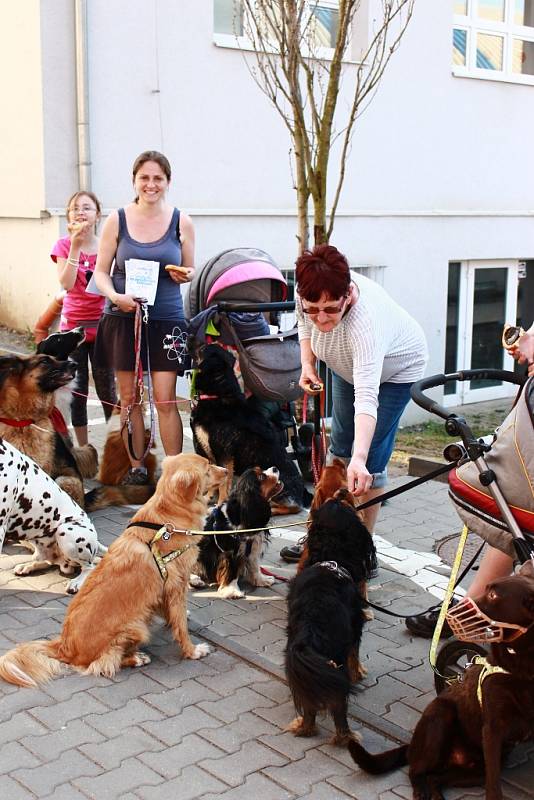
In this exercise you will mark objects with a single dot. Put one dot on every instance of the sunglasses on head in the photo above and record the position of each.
(313, 311)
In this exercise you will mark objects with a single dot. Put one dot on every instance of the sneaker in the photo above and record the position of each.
(423, 624)
(294, 551)
(137, 476)
(291, 553)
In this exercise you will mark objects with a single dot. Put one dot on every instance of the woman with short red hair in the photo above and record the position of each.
(375, 351)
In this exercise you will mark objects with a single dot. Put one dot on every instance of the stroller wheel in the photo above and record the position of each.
(451, 661)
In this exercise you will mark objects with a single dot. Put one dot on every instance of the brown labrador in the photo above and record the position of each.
(460, 741)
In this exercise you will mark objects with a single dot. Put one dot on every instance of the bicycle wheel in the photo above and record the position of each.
(452, 660)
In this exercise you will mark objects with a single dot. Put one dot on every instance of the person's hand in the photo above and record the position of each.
(524, 351)
(77, 231)
(180, 274)
(359, 479)
(309, 380)
(124, 302)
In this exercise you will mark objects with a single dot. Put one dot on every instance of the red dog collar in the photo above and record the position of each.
(16, 423)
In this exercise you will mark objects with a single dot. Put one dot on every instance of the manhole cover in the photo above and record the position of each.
(446, 548)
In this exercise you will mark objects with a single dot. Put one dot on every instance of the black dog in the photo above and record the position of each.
(326, 616)
(465, 733)
(226, 558)
(230, 432)
(60, 345)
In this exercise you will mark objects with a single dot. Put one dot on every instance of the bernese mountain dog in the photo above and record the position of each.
(230, 431)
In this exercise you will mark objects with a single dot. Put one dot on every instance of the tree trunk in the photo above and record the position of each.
(319, 210)
(303, 194)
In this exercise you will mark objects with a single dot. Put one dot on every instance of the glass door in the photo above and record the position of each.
(482, 296)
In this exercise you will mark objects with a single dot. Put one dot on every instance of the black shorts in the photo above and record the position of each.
(167, 344)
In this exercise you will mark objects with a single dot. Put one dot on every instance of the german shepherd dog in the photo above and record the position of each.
(109, 619)
(114, 462)
(28, 389)
(326, 616)
(465, 733)
(230, 432)
(227, 558)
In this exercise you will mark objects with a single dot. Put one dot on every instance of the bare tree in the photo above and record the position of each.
(304, 84)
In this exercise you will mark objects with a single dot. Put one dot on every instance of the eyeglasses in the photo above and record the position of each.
(82, 209)
(313, 311)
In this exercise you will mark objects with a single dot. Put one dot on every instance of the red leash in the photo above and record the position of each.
(272, 575)
(318, 454)
(141, 317)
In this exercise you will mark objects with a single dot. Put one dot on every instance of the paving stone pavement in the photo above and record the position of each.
(215, 728)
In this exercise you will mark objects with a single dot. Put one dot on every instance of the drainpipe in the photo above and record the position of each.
(82, 94)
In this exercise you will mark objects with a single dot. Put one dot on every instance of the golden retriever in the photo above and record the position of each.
(108, 620)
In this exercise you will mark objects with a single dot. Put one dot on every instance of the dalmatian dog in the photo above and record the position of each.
(36, 511)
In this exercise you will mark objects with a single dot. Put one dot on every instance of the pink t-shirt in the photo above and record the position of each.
(79, 306)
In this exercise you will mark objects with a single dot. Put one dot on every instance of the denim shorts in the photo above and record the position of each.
(392, 400)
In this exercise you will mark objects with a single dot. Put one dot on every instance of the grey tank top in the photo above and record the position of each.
(167, 250)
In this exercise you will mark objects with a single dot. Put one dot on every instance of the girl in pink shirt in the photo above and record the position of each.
(75, 256)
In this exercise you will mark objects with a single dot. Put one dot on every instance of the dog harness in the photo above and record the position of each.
(163, 532)
(333, 566)
(485, 672)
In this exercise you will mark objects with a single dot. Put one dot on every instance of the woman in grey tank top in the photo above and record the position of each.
(148, 229)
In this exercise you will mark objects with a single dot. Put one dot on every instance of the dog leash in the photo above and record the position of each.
(141, 318)
(319, 445)
(166, 531)
(432, 655)
(441, 470)
(459, 580)
(155, 526)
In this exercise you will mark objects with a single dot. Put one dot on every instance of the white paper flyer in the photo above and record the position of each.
(142, 279)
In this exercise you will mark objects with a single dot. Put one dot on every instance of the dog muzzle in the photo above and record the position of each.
(469, 624)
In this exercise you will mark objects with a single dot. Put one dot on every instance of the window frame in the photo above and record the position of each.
(507, 30)
(236, 42)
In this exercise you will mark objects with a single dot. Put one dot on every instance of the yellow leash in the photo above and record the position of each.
(446, 600)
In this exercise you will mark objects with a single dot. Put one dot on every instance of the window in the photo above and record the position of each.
(494, 39)
(321, 21)
(228, 17)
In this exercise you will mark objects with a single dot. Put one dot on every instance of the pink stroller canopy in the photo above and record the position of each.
(242, 273)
